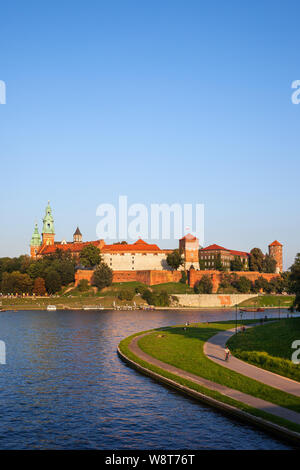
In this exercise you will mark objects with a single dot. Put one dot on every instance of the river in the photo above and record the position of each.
(64, 387)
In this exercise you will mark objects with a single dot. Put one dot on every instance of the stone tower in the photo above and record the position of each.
(189, 248)
(35, 242)
(48, 232)
(275, 250)
(77, 237)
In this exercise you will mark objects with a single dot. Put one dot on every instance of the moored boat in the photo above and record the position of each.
(51, 308)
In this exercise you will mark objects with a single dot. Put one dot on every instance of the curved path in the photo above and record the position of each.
(229, 392)
(214, 350)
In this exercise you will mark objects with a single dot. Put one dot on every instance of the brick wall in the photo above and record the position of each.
(216, 276)
(146, 277)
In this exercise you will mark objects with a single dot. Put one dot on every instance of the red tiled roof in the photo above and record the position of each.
(275, 243)
(74, 247)
(239, 253)
(139, 246)
(218, 247)
(214, 247)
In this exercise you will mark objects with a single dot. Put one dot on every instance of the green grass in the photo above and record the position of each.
(124, 347)
(269, 346)
(173, 288)
(184, 349)
(269, 300)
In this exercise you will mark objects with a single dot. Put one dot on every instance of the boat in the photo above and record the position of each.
(259, 309)
(51, 308)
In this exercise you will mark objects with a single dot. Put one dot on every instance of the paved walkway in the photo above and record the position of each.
(214, 350)
(229, 392)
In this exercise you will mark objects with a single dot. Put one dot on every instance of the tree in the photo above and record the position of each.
(183, 277)
(218, 265)
(236, 264)
(53, 281)
(174, 260)
(277, 284)
(83, 285)
(269, 264)
(126, 294)
(16, 283)
(295, 282)
(226, 283)
(90, 256)
(39, 287)
(204, 286)
(256, 260)
(260, 284)
(243, 284)
(102, 276)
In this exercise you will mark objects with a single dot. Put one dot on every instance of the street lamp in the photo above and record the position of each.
(279, 309)
(235, 318)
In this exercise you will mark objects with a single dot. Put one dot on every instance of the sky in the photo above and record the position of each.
(162, 101)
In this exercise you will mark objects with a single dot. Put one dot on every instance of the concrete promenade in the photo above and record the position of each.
(229, 392)
(214, 350)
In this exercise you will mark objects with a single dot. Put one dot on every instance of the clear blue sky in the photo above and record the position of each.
(163, 101)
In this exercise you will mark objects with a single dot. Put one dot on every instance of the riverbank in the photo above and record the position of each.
(109, 300)
(175, 357)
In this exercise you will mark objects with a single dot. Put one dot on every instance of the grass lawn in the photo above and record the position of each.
(283, 301)
(269, 346)
(173, 288)
(184, 349)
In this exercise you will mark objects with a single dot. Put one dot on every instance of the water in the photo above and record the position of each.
(64, 387)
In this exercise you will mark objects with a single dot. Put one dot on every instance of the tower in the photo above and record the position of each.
(275, 250)
(189, 248)
(48, 233)
(35, 242)
(77, 237)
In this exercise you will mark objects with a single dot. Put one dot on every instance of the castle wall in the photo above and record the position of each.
(216, 276)
(145, 276)
(212, 300)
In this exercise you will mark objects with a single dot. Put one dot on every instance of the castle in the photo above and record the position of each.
(142, 256)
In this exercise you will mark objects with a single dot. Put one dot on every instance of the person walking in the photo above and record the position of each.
(227, 352)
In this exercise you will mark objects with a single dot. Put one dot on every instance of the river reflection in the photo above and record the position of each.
(64, 387)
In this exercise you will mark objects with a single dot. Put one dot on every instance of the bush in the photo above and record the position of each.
(274, 364)
(204, 286)
(159, 299)
(83, 285)
(102, 276)
(126, 294)
(183, 277)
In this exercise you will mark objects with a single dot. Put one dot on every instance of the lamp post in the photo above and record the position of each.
(235, 318)
(279, 309)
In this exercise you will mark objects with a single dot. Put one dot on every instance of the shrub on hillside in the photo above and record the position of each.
(204, 286)
(83, 285)
(102, 276)
(274, 364)
(126, 294)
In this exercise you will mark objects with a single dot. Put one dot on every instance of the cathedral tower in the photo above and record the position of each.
(35, 242)
(48, 233)
(275, 250)
(77, 237)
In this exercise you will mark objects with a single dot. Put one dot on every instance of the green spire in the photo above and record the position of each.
(48, 221)
(35, 239)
